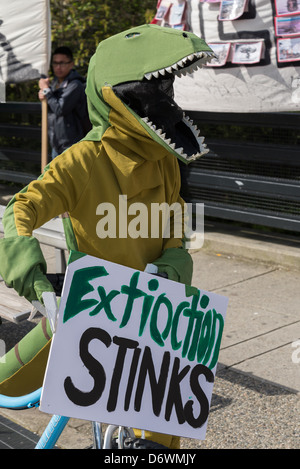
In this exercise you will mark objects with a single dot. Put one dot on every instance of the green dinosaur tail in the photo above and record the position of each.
(22, 368)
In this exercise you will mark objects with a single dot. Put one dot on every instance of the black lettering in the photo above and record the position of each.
(174, 396)
(197, 422)
(131, 378)
(123, 344)
(96, 370)
(157, 386)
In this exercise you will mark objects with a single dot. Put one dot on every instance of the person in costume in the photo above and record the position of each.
(138, 135)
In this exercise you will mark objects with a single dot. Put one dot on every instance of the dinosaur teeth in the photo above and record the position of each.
(180, 151)
(200, 139)
(187, 64)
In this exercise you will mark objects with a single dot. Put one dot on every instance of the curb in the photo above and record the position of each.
(246, 243)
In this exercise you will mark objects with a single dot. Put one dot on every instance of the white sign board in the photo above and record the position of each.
(133, 349)
(25, 40)
(258, 45)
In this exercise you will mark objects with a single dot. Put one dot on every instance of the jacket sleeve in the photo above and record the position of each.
(63, 101)
(23, 266)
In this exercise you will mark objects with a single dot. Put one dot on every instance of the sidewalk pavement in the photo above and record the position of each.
(255, 402)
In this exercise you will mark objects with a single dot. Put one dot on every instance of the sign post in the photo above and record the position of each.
(44, 148)
(133, 349)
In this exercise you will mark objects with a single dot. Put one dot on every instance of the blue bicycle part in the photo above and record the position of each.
(52, 432)
(54, 427)
(21, 402)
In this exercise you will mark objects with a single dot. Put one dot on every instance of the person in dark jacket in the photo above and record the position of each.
(68, 120)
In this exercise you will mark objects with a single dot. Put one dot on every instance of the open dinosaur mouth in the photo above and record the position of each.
(153, 100)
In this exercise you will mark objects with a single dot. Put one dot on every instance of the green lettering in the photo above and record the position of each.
(133, 293)
(193, 315)
(80, 286)
(205, 336)
(174, 342)
(105, 303)
(193, 347)
(153, 285)
(155, 334)
(217, 318)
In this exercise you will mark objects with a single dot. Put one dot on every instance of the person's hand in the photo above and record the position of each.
(41, 95)
(44, 83)
(23, 267)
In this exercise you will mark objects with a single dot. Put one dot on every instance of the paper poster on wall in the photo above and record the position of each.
(177, 12)
(288, 49)
(163, 10)
(287, 7)
(133, 349)
(265, 84)
(171, 13)
(246, 52)
(222, 52)
(232, 9)
(287, 25)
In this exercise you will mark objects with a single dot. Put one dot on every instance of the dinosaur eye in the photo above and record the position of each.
(130, 35)
(184, 35)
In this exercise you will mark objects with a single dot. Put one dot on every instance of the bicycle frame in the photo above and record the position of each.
(52, 432)
(21, 402)
(54, 427)
(58, 423)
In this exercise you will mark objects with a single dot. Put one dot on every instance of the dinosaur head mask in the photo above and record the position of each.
(139, 66)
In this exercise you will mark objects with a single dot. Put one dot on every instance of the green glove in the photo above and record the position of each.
(177, 263)
(23, 266)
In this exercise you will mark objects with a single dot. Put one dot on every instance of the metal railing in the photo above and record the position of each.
(251, 174)
(20, 141)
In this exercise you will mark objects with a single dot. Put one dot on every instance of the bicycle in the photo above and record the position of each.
(101, 440)
(50, 400)
(125, 439)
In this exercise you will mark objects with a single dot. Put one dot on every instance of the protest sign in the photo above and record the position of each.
(133, 349)
(25, 40)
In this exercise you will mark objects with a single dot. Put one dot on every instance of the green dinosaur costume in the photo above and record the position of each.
(138, 134)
